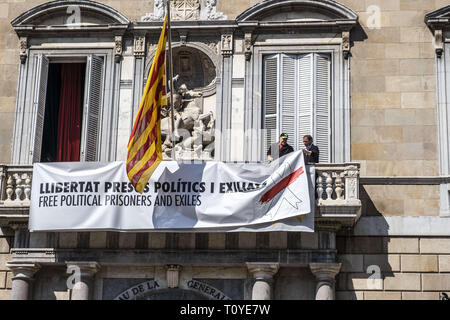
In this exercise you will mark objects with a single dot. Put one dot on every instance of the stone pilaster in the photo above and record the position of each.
(22, 279)
(83, 273)
(263, 275)
(325, 274)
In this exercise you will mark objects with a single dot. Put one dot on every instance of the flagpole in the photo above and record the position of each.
(170, 64)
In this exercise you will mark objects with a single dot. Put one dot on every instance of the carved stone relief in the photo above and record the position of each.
(194, 107)
(139, 46)
(185, 10)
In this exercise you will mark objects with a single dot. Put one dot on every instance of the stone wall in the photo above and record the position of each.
(5, 274)
(409, 268)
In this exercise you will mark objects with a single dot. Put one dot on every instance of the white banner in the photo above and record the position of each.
(180, 197)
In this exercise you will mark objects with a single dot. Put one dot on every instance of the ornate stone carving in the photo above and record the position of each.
(213, 46)
(23, 49)
(158, 12)
(173, 276)
(139, 46)
(438, 42)
(248, 46)
(209, 12)
(346, 44)
(194, 130)
(118, 49)
(227, 44)
(186, 10)
(183, 37)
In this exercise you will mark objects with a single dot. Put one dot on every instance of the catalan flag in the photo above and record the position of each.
(144, 147)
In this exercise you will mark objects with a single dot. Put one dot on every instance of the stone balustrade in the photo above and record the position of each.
(15, 185)
(337, 183)
(337, 192)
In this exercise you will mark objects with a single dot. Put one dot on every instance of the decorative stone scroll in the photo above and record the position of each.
(248, 42)
(439, 42)
(23, 49)
(118, 48)
(345, 44)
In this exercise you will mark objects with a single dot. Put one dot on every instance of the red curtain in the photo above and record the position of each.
(69, 116)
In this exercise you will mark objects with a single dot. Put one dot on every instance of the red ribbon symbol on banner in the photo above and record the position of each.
(280, 186)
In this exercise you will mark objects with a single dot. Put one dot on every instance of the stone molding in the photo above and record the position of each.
(50, 7)
(387, 180)
(284, 257)
(263, 270)
(325, 271)
(88, 268)
(264, 7)
(23, 271)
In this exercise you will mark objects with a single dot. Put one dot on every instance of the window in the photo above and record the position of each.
(297, 99)
(67, 101)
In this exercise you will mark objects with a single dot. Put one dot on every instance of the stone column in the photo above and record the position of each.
(325, 274)
(263, 275)
(83, 273)
(22, 279)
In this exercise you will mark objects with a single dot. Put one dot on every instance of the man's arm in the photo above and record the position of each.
(269, 153)
(315, 154)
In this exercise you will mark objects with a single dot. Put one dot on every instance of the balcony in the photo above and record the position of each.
(337, 194)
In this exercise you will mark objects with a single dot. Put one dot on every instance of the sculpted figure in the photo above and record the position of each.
(193, 130)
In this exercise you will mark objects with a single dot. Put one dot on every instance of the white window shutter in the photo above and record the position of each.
(322, 106)
(40, 93)
(270, 100)
(305, 97)
(288, 99)
(92, 109)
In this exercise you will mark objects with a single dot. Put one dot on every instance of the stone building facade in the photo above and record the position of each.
(368, 78)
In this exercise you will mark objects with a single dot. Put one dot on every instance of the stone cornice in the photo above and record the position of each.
(388, 180)
(237, 258)
(438, 19)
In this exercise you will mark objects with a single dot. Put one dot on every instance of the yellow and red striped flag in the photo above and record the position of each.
(144, 147)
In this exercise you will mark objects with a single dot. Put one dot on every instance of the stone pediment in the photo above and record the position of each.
(69, 14)
(298, 11)
(439, 18)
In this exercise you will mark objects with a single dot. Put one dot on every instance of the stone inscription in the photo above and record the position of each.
(206, 290)
(139, 289)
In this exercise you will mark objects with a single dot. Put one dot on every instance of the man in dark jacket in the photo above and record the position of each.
(277, 150)
(311, 151)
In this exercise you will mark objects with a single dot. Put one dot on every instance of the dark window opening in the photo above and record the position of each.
(63, 112)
